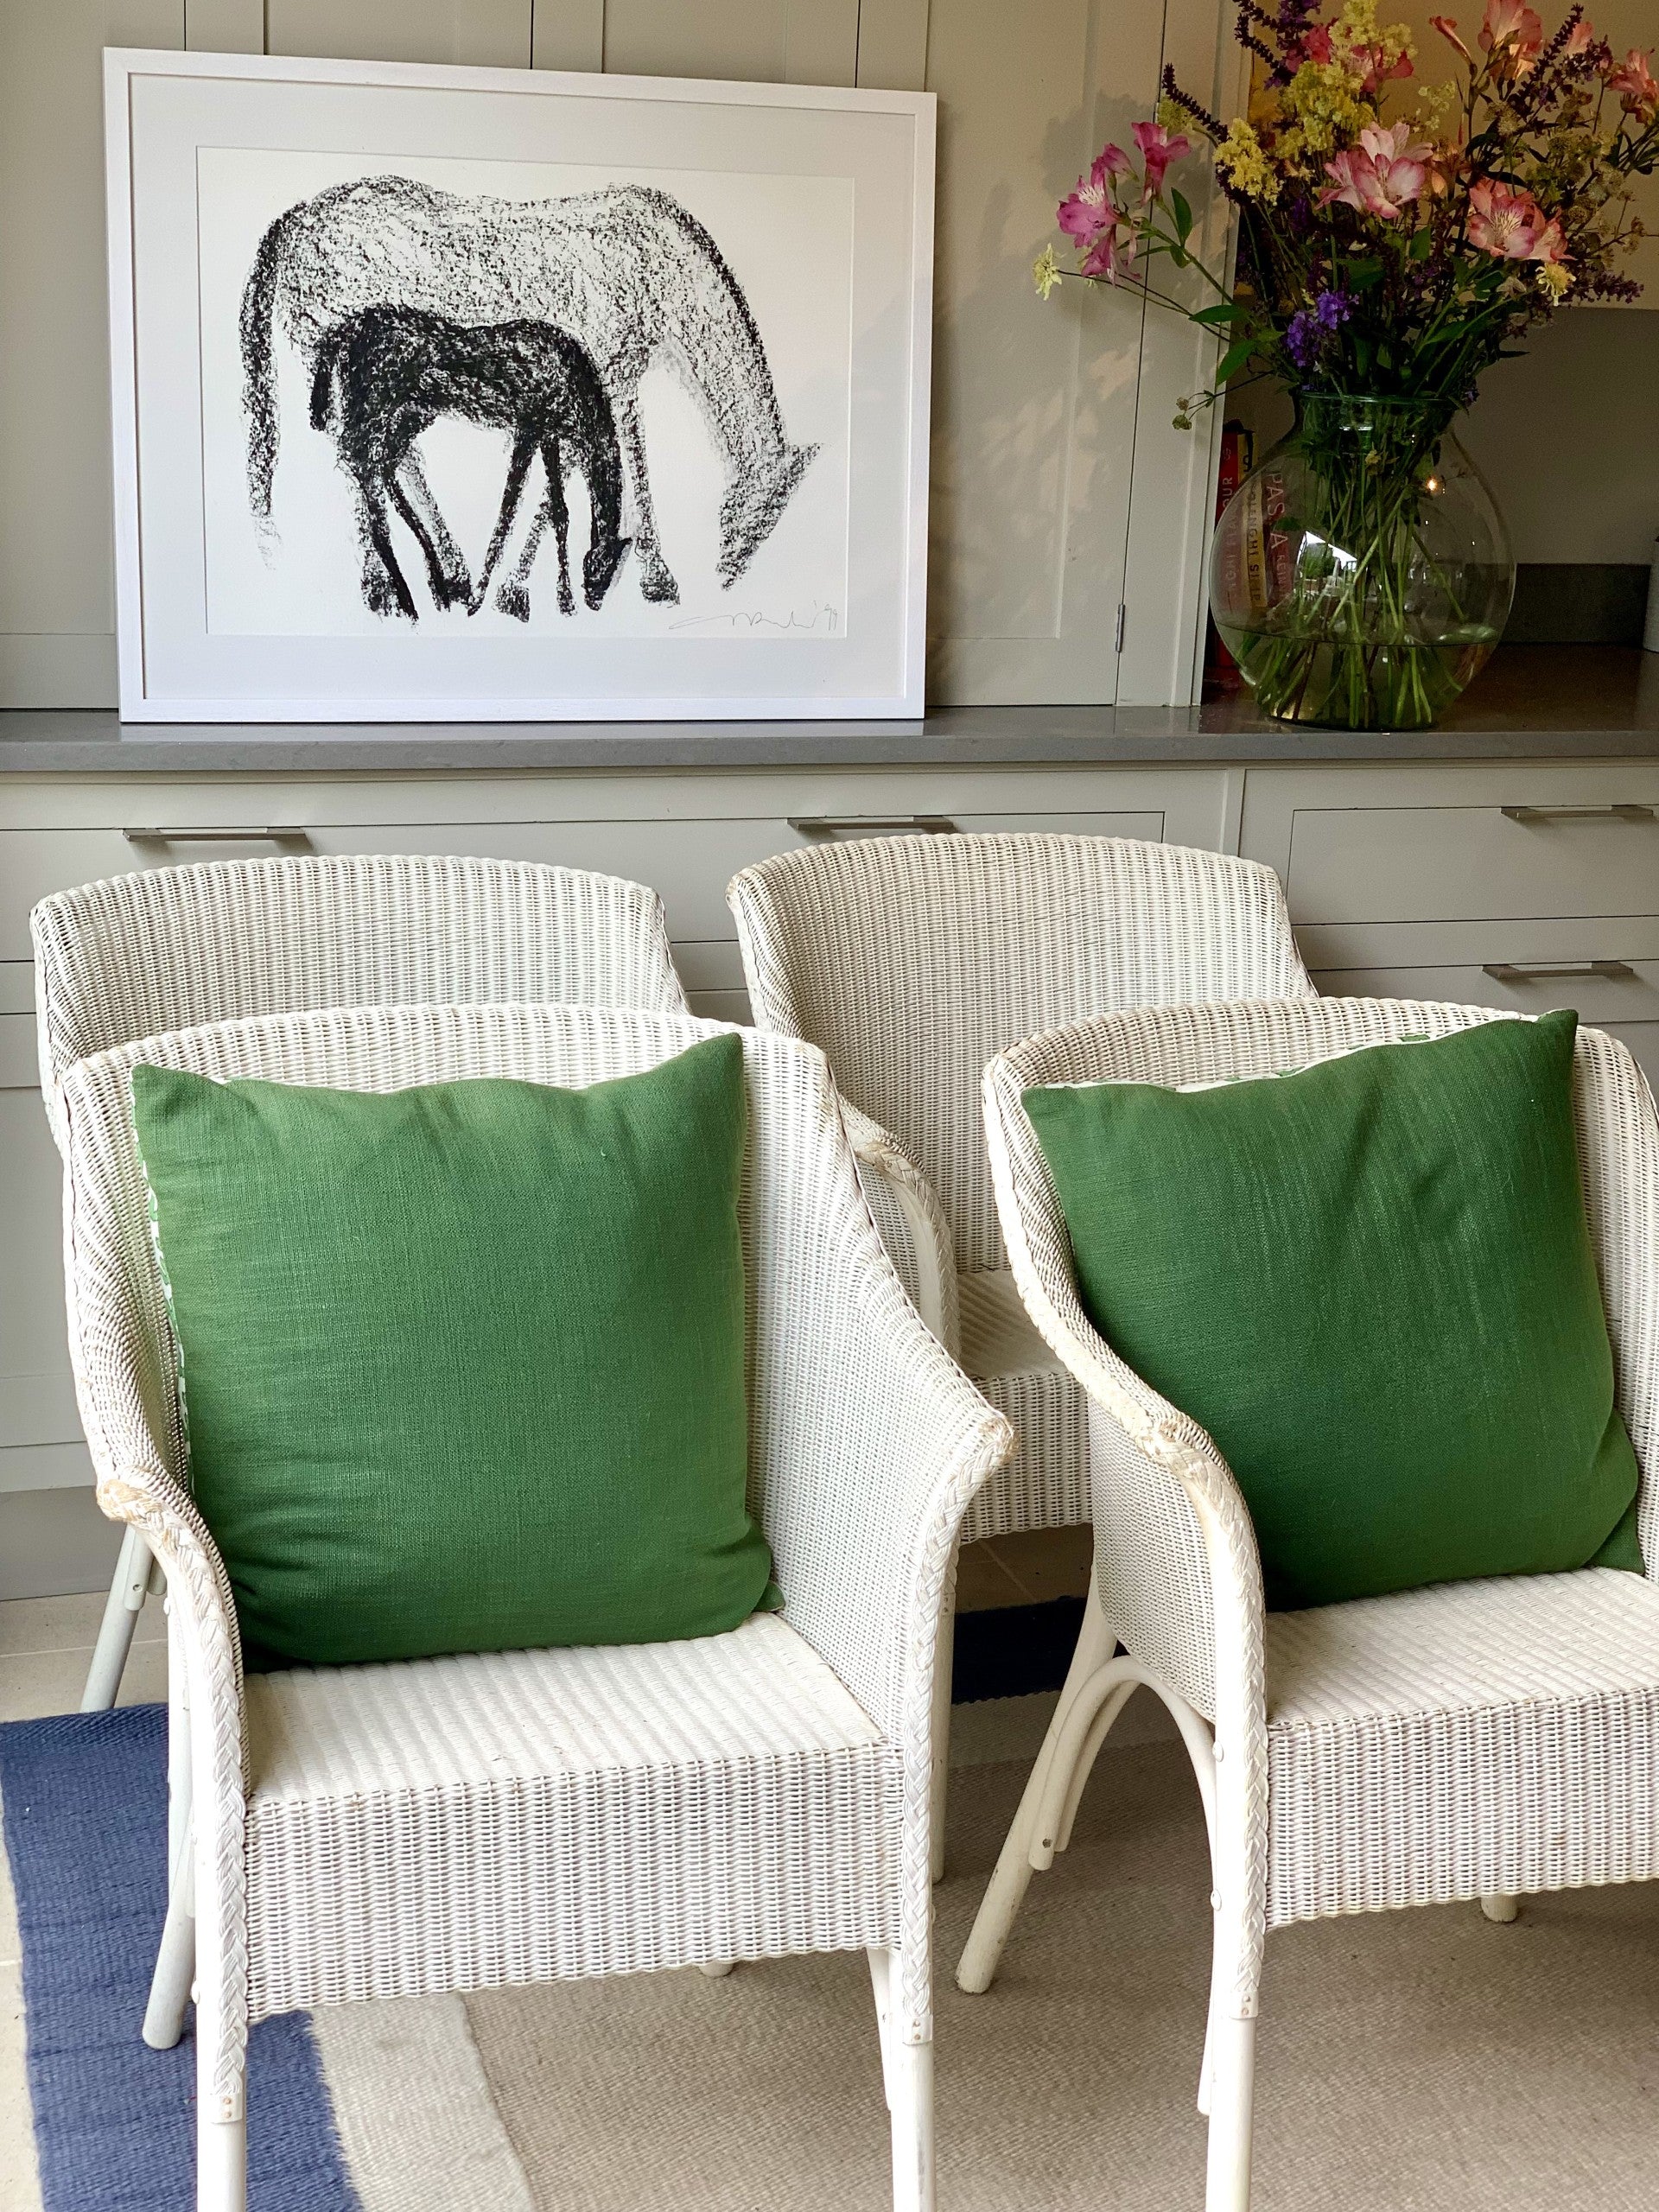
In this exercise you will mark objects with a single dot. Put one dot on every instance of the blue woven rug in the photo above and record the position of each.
(85, 1830)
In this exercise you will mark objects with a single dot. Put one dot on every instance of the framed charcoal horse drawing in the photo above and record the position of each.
(506, 395)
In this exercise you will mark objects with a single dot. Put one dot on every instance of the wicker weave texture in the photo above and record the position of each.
(744, 1757)
(911, 961)
(1480, 1738)
(173, 947)
(866, 1446)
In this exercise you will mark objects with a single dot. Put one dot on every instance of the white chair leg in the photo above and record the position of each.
(716, 1969)
(178, 1738)
(221, 2119)
(175, 1961)
(1503, 1909)
(912, 2114)
(121, 1610)
(907, 2081)
(1030, 1845)
(222, 2165)
(881, 1968)
(1232, 2104)
(944, 1662)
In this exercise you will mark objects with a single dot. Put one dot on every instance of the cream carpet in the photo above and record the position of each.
(1411, 2060)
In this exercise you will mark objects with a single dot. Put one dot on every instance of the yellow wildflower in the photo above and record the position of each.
(1046, 272)
(1241, 161)
(1554, 278)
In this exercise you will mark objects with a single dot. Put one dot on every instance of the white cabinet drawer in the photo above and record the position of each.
(1448, 863)
(689, 859)
(1626, 1006)
(38, 1400)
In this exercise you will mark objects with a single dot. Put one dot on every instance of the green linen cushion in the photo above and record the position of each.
(1372, 1281)
(463, 1366)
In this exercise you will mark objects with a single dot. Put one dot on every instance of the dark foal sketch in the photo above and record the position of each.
(626, 274)
(384, 377)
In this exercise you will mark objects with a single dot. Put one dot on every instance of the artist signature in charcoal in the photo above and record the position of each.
(817, 620)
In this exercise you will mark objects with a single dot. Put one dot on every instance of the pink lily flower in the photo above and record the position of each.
(1447, 27)
(1381, 175)
(1579, 40)
(1158, 149)
(1112, 254)
(1316, 44)
(1368, 61)
(1635, 83)
(1512, 225)
(1088, 206)
(1514, 34)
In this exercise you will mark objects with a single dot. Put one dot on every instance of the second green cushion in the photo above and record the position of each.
(1372, 1282)
(463, 1365)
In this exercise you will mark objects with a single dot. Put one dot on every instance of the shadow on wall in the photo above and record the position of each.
(1025, 480)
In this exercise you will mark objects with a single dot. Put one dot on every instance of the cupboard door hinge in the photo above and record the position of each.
(1122, 616)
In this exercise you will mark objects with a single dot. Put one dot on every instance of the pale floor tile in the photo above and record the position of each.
(66, 1623)
(1045, 1563)
(19, 2181)
(982, 1582)
(36, 1683)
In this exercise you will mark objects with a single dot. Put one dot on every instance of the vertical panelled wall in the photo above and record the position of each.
(1067, 514)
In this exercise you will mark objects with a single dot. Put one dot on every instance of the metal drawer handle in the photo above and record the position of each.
(1624, 811)
(1505, 971)
(830, 825)
(264, 835)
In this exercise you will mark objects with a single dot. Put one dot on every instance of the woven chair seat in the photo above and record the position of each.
(507, 1779)
(1046, 1483)
(1472, 1739)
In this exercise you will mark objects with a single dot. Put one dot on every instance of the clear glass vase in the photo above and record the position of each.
(1361, 575)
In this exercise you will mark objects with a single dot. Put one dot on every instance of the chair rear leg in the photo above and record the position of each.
(1027, 1849)
(1500, 1909)
(175, 1965)
(121, 1610)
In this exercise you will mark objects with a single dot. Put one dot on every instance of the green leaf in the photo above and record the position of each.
(1234, 358)
(1361, 275)
(1224, 312)
(1421, 246)
(1183, 214)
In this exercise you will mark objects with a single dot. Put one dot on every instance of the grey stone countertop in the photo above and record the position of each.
(1531, 702)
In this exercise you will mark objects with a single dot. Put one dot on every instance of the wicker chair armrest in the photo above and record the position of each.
(1177, 1566)
(912, 1222)
(870, 1468)
(887, 1445)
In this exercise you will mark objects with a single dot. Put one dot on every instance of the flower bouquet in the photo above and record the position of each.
(1393, 240)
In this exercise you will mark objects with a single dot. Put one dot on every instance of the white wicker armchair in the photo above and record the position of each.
(171, 947)
(464, 1822)
(910, 961)
(1480, 1739)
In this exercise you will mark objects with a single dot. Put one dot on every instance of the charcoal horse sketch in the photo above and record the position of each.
(624, 275)
(384, 376)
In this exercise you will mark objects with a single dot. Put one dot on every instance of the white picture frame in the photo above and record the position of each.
(699, 310)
